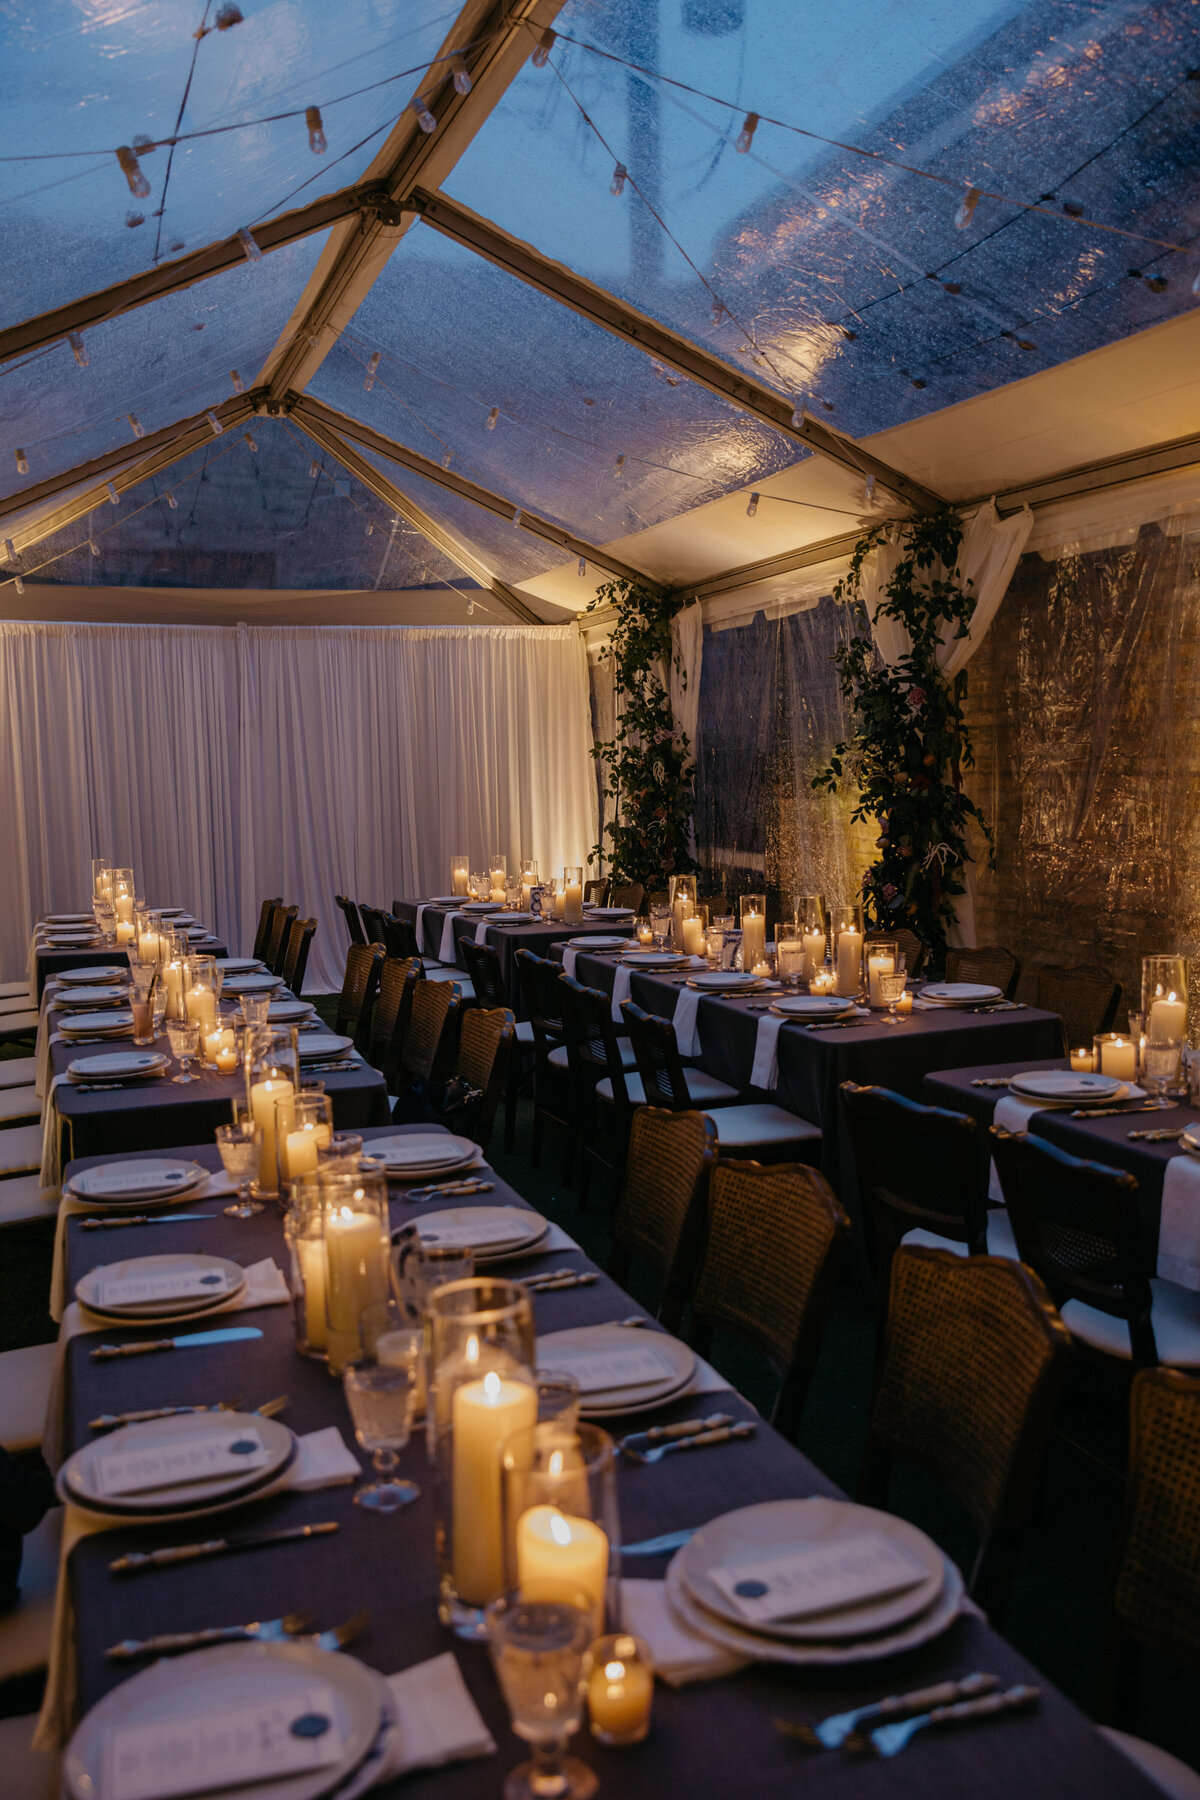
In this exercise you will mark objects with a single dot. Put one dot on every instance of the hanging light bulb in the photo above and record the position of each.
(489, 423)
(620, 176)
(583, 565)
(869, 490)
(752, 507)
(131, 168)
(78, 349)
(545, 45)
(135, 425)
(20, 585)
(517, 516)
(22, 462)
(746, 134)
(462, 75)
(966, 209)
(250, 441)
(246, 240)
(237, 381)
(376, 359)
(316, 130)
(93, 546)
(470, 609)
(618, 468)
(445, 459)
(214, 423)
(797, 415)
(313, 470)
(425, 118)
(172, 502)
(113, 496)
(718, 311)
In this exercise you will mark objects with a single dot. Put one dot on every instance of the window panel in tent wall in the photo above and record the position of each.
(89, 79)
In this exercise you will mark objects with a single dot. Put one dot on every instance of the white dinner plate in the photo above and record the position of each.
(482, 906)
(654, 959)
(71, 940)
(514, 918)
(69, 919)
(1067, 1084)
(611, 912)
(813, 1006)
(79, 999)
(252, 984)
(148, 1178)
(171, 912)
(315, 1045)
(116, 1022)
(717, 981)
(421, 1150)
(445, 900)
(960, 993)
(492, 1232)
(102, 973)
(78, 1478)
(597, 943)
(228, 1281)
(239, 965)
(118, 1065)
(777, 1526)
(562, 1350)
(217, 1681)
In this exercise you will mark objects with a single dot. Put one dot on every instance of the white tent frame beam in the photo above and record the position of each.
(383, 489)
(623, 321)
(494, 38)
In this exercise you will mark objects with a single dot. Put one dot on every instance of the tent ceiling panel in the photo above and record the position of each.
(803, 243)
(460, 337)
(258, 518)
(81, 79)
(165, 362)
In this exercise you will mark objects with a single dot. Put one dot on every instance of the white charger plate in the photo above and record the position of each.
(316, 1045)
(80, 999)
(960, 993)
(730, 981)
(780, 1525)
(611, 912)
(264, 983)
(114, 1065)
(604, 1339)
(813, 1006)
(149, 1178)
(239, 965)
(421, 1150)
(655, 959)
(68, 919)
(77, 1479)
(230, 1274)
(219, 1679)
(597, 943)
(102, 973)
(83, 1024)
(1067, 1084)
(482, 906)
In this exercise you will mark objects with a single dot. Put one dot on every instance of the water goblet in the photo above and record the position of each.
(660, 925)
(381, 1392)
(256, 1010)
(891, 992)
(1161, 1058)
(183, 1035)
(537, 1650)
(240, 1145)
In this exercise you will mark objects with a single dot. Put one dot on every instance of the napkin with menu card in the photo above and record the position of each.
(318, 1464)
(681, 1656)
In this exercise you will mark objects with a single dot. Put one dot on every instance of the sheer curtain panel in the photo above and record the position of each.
(230, 763)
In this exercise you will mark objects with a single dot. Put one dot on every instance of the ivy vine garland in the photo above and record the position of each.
(910, 741)
(648, 771)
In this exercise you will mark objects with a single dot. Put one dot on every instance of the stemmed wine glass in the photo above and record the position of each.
(381, 1392)
(1162, 1062)
(240, 1145)
(183, 1035)
(660, 925)
(537, 1650)
(891, 992)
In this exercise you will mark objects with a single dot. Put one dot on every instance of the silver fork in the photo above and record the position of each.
(171, 1643)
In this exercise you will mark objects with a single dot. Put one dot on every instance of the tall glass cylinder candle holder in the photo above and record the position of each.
(754, 930)
(304, 1235)
(271, 1061)
(558, 899)
(529, 880)
(460, 874)
(1164, 997)
(882, 954)
(846, 923)
(497, 875)
(573, 896)
(175, 978)
(357, 1239)
(101, 878)
(201, 992)
(482, 1389)
(681, 897)
(790, 957)
(123, 895)
(810, 924)
(562, 1531)
(303, 1125)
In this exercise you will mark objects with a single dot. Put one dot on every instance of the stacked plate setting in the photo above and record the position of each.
(110, 1021)
(283, 1012)
(257, 982)
(101, 976)
(240, 965)
(316, 1046)
(620, 1372)
(599, 943)
(178, 1468)
(869, 1584)
(147, 1185)
(1068, 1087)
(118, 1065)
(959, 993)
(494, 1233)
(160, 1290)
(609, 912)
(413, 1155)
(726, 981)
(811, 1008)
(73, 999)
(655, 959)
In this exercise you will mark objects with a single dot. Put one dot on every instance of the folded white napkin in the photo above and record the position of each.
(481, 932)
(765, 1073)
(687, 1034)
(570, 956)
(621, 982)
(322, 1460)
(1179, 1224)
(217, 1184)
(420, 930)
(681, 1656)
(446, 947)
(436, 1720)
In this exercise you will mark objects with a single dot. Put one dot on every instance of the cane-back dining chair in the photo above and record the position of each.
(353, 922)
(266, 914)
(484, 1044)
(659, 1216)
(428, 1047)
(906, 941)
(594, 891)
(553, 1091)
(296, 943)
(990, 963)
(1086, 999)
(273, 954)
(359, 987)
(487, 979)
(600, 1062)
(398, 980)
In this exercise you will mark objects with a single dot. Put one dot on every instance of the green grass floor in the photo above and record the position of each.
(1057, 1611)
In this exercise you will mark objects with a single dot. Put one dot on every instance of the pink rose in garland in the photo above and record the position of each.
(916, 699)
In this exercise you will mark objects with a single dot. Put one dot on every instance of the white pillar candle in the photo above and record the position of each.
(124, 908)
(201, 1005)
(693, 936)
(1081, 1062)
(356, 1274)
(560, 1557)
(263, 1098)
(878, 963)
(311, 1253)
(814, 954)
(560, 904)
(124, 932)
(484, 1413)
(148, 947)
(174, 979)
(226, 1059)
(526, 895)
(300, 1152)
(1168, 1018)
(754, 939)
(849, 962)
(573, 903)
(458, 881)
(1119, 1057)
(645, 934)
(821, 982)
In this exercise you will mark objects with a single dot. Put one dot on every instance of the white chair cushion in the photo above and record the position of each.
(17, 1071)
(524, 1032)
(25, 1377)
(19, 1103)
(1174, 1313)
(703, 1088)
(16, 1024)
(25, 1631)
(20, 1149)
(29, 1774)
(9, 989)
(444, 973)
(1165, 1771)
(23, 1200)
(1000, 1239)
(558, 1058)
(744, 1127)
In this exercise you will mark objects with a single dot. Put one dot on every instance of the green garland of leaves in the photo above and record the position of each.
(648, 770)
(910, 741)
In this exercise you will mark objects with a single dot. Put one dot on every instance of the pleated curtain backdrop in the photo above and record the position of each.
(226, 764)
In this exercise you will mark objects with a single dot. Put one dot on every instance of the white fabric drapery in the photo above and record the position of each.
(225, 764)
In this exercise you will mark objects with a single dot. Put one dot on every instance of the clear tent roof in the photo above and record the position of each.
(825, 261)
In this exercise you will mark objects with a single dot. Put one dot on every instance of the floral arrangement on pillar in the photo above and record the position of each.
(647, 764)
(910, 742)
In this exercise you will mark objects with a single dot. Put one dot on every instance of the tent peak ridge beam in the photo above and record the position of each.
(495, 39)
(305, 410)
(596, 304)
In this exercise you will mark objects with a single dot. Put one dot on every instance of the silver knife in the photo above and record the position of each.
(660, 1546)
(889, 1740)
(94, 1224)
(662, 1434)
(235, 1334)
(831, 1733)
(265, 1631)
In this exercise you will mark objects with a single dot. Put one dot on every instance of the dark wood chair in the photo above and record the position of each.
(552, 1086)
(360, 985)
(774, 1239)
(988, 963)
(372, 918)
(1085, 998)
(353, 922)
(659, 1216)
(1079, 1224)
(484, 1045)
(906, 941)
(300, 934)
(594, 892)
(266, 914)
(273, 954)
(487, 979)
(398, 980)
(598, 1058)
(973, 1362)
(427, 1051)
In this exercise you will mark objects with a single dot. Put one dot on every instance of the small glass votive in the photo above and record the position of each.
(822, 982)
(645, 934)
(341, 1151)
(256, 1010)
(1082, 1062)
(1113, 1054)
(619, 1672)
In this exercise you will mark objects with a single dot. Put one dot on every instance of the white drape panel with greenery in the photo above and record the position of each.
(226, 764)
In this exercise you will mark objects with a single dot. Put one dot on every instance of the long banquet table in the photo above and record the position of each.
(506, 940)
(718, 1740)
(49, 962)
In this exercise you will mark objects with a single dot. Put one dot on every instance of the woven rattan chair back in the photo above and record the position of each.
(398, 980)
(987, 963)
(629, 893)
(353, 922)
(906, 941)
(1156, 1597)
(917, 1167)
(266, 914)
(1085, 998)
(486, 976)
(372, 918)
(359, 987)
(773, 1247)
(658, 1061)
(273, 954)
(972, 1366)
(427, 1050)
(594, 892)
(1078, 1224)
(484, 1046)
(300, 934)
(660, 1213)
